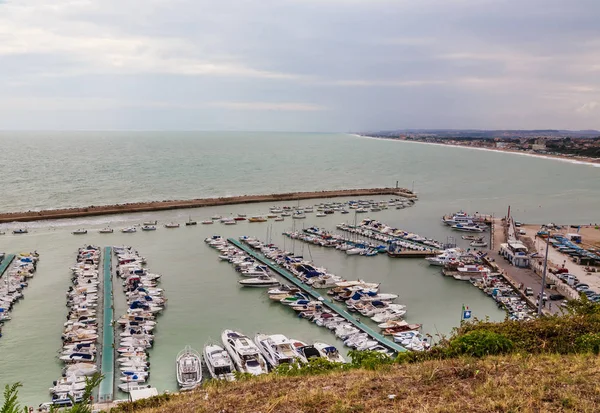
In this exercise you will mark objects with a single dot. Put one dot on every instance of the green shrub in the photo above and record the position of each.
(480, 343)
(588, 343)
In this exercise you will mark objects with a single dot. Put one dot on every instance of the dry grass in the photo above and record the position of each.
(541, 383)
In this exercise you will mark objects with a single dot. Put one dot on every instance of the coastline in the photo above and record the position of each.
(94, 210)
(578, 161)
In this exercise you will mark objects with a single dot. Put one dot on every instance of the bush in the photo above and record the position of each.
(480, 343)
(588, 343)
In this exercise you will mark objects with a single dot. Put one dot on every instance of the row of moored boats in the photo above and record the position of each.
(238, 353)
(14, 280)
(80, 335)
(145, 301)
(359, 296)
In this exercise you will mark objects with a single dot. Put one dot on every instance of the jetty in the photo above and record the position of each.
(371, 233)
(326, 301)
(105, 392)
(412, 254)
(196, 203)
(8, 259)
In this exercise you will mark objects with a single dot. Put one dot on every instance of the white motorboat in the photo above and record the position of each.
(448, 256)
(189, 368)
(106, 230)
(149, 228)
(480, 244)
(277, 349)
(172, 225)
(207, 222)
(148, 223)
(321, 214)
(298, 215)
(79, 231)
(218, 362)
(458, 218)
(244, 353)
(128, 230)
(388, 315)
(468, 228)
(329, 352)
(262, 281)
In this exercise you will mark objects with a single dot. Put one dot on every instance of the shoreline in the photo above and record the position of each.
(577, 161)
(152, 206)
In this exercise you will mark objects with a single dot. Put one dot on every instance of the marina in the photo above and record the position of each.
(434, 300)
(15, 273)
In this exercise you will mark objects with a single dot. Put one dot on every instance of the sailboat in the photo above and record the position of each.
(190, 222)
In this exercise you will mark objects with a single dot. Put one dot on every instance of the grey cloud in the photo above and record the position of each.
(301, 65)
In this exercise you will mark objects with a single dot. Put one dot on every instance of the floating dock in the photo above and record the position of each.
(105, 392)
(417, 244)
(8, 259)
(326, 301)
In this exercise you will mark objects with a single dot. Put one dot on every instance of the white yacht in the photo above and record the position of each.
(243, 352)
(218, 362)
(277, 349)
(261, 281)
(458, 218)
(189, 369)
(128, 230)
(468, 228)
(329, 352)
(80, 231)
(172, 225)
(446, 257)
(106, 230)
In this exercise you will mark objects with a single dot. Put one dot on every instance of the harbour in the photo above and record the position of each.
(199, 284)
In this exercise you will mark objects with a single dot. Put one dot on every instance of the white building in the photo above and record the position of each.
(516, 253)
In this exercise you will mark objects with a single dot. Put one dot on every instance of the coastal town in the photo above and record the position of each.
(582, 145)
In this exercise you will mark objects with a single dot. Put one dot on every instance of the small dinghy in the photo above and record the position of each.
(189, 369)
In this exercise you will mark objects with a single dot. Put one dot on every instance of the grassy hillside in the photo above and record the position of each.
(512, 383)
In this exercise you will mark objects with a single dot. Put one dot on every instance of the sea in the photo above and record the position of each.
(44, 170)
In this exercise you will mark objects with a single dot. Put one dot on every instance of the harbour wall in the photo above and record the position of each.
(194, 203)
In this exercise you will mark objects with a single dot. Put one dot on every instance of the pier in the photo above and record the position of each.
(8, 259)
(354, 230)
(326, 301)
(196, 203)
(105, 392)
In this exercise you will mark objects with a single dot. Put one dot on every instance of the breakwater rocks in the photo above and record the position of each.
(195, 203)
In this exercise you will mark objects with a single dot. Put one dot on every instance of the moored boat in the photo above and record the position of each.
(244, 353)
(189, 369)
(218, 362)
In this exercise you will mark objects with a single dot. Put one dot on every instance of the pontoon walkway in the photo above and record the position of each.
(325, 300)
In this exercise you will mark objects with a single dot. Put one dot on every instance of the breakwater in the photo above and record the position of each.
(94, 210)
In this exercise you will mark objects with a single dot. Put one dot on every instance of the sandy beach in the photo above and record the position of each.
(94, 210)
(563, 158)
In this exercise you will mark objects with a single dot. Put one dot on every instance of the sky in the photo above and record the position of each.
(299, 65)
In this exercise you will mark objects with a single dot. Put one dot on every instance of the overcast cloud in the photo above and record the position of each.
(306, 65)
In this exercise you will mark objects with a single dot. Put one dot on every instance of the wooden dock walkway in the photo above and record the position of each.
(105, 392)
(327, 302)
(8, 259)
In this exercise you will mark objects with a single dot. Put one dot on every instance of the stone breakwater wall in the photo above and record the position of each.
(194, 203)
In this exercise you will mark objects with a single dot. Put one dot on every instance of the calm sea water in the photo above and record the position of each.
(50, 170)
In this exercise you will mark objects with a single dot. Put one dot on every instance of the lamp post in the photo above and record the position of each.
(541, 299)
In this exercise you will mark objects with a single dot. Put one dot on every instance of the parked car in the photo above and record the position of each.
(528, 291)
(555, 297)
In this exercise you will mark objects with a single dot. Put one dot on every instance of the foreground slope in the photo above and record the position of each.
(523, 383)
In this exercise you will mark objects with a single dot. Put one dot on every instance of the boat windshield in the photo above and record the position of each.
(222, 370)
